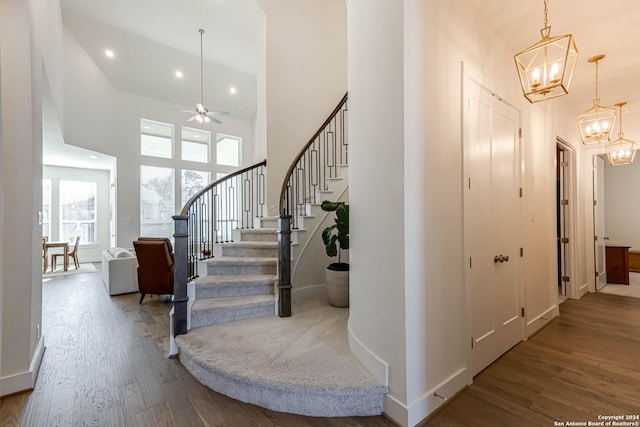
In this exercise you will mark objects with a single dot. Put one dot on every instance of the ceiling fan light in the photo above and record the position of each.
(206, 119)
(199, 118)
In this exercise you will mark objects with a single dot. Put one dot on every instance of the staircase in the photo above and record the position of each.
(239, 282)
(236, 345)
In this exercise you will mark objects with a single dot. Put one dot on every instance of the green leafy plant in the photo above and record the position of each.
(336, 237)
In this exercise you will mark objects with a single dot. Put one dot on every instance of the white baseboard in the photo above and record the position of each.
(582, 290)
(420, 408)
(396, 410)
(412, 414)
(25, 380)
(535, 324)
(378, 367)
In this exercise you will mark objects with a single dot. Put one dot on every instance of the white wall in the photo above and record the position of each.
(87, 252)
(306, 77)
(111, 125)
(622, 204)
(376, 192)
(21, 129)
(407, 284)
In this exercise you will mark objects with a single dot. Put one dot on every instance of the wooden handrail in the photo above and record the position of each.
(283, 190)
(193, 198)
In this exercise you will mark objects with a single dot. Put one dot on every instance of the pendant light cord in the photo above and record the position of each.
(546, 10)
(597, 97)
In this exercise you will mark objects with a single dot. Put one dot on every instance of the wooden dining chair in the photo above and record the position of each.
(72, 254)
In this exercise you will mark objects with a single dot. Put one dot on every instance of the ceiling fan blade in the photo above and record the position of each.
(192, 118)
(185, 111)
(218, 113)
(213, 119)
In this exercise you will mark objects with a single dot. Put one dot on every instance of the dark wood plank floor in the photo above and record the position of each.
(584, 364)
(106, 365)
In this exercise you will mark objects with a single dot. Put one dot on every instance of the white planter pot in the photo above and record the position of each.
(338, 287)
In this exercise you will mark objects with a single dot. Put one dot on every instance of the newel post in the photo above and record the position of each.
(284, 265)
(180, 298)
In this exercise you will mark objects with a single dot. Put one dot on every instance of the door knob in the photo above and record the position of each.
(500, 258)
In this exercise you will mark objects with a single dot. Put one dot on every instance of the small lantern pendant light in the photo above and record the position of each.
(596, 124)
(546, 68)
(621, 151)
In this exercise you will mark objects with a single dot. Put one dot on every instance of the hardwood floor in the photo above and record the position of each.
(584, 364)
(105, 364)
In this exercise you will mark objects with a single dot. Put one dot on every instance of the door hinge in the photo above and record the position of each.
(595, 238)
(520, 133)
(522, 311)
(471, 342)
(564, 202)
(597, 274)
(564, 240)
(470, 262)
(469, 183)
(595, 203)
(565, 278)
(520, 191)
(564, 164)
(521, 252)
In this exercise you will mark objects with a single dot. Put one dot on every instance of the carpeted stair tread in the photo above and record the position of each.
(236, 285)
(232, 302)
(301, 364)
(231, 260)
(251, 244)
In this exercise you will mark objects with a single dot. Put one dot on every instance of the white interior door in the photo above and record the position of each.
(491, 217)
(598, 222)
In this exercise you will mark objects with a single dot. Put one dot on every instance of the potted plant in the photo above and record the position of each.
(336, 238)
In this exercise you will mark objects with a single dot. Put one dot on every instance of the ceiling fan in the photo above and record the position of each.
(203, 115)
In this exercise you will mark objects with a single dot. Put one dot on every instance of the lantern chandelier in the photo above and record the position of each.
(621, 151)
(596, 124)
(546, 68)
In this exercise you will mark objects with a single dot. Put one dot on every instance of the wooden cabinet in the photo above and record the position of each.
(617, 264)
(634, 261)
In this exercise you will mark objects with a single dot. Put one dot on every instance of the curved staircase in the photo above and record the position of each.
(238, 347)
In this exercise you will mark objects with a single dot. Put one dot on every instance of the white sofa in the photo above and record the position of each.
(119, 271)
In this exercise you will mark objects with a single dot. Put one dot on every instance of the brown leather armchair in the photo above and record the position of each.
(155, 266)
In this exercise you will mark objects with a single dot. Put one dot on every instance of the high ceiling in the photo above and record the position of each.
(609, 28)
(152, 39)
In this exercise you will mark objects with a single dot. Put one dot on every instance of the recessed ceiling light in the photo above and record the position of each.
(109, 53)
(179, 74)
(232, 90)
(93, 157)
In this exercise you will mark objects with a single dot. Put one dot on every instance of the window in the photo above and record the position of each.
(220, 175)
(228, 150)
(157, 206)
(78, 210)
(46, 208)
(195, 145)
(156, 139)
(192, 182)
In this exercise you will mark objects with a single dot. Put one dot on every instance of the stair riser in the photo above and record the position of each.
(269, 223)
(224, 315)
(250, 252)
(233, 291)
(236, 270)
